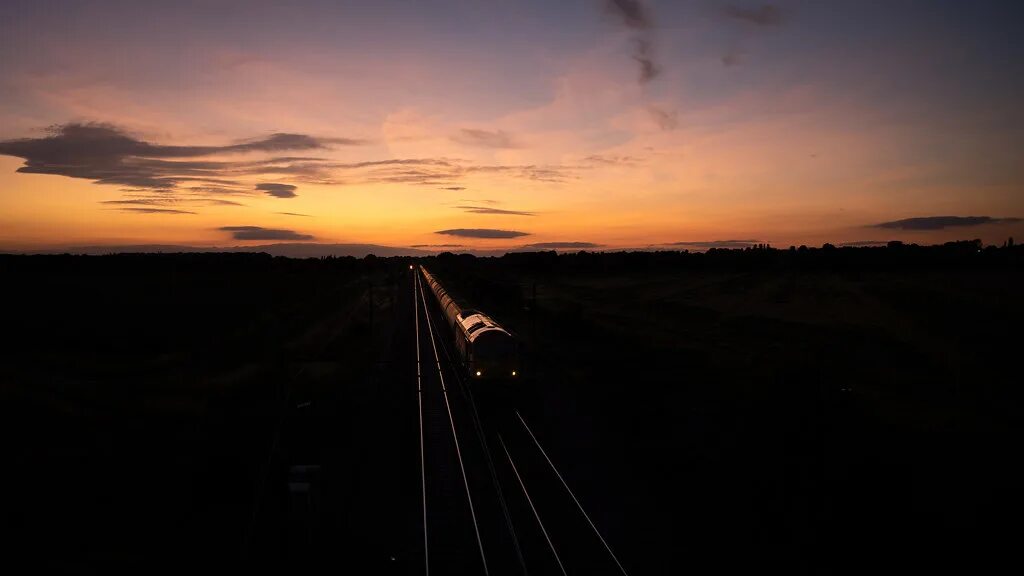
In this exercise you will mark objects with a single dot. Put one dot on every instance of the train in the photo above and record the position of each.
(487, 351)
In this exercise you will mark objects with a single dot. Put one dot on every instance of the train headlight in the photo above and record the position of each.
(410, 266)
(478, 373)
(513, 372)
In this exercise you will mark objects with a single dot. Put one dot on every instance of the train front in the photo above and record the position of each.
(493, 354)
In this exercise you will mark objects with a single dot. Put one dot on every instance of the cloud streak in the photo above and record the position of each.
(665, 119)
(488, 233)
(260, 233)
(635, 16)
(612, 160)
(218, 202)
(733, 58)
(643, 55)
(442, 173)
(157, 178)
(563, 245)
(764, 15)
(485, 138)
(170, 201)
(942, 222)
(278, 190)
(494, 211)
(155, 211)
(108, 155)
(752, 18)
(140, 202)
(631, 12)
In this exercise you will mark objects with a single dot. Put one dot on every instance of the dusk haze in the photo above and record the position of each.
(511, 287)
(627, 125)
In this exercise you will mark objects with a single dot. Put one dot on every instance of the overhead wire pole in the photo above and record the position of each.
(569, 490)
(455, 436)
(419, 399)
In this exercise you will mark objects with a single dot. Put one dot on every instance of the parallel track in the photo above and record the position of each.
(537, 487)
(455, 434)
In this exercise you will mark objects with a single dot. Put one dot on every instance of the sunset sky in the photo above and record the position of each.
(510, 123)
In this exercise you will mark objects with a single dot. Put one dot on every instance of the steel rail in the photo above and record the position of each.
(419, 398)
(455, 436)
(576, 500)
(532, 507)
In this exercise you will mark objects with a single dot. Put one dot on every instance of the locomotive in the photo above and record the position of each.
(487, 351)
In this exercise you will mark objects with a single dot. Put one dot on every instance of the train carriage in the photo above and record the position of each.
(487, 350)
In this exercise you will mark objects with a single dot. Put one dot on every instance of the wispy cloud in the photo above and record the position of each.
(634, 15)
(644, 57)
(612, 160)
(217, 202)
(293, 214)
(495, 211)
(482, 233)
(445, 173)
(108, 155)
(563, 245)
(550, 173)
(278, 190)
(139, 202)
(733, 58)
(170, 201)
(941, 222)
(665, 119)
(751, 19)
(438, 246)
(222, 190)
(260, 233)
(485, 138)
(155, 211)
(763, 15)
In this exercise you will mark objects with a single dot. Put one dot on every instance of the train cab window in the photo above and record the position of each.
(475, 327)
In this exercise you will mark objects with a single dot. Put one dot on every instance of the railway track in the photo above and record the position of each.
(451, 528)
(455, 481)
(494, 501)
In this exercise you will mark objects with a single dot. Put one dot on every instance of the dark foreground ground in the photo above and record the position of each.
(827, 411)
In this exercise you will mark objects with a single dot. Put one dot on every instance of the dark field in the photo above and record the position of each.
(822, 411)
(142, 395)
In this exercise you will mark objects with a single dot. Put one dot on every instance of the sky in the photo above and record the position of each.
(500, 125)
